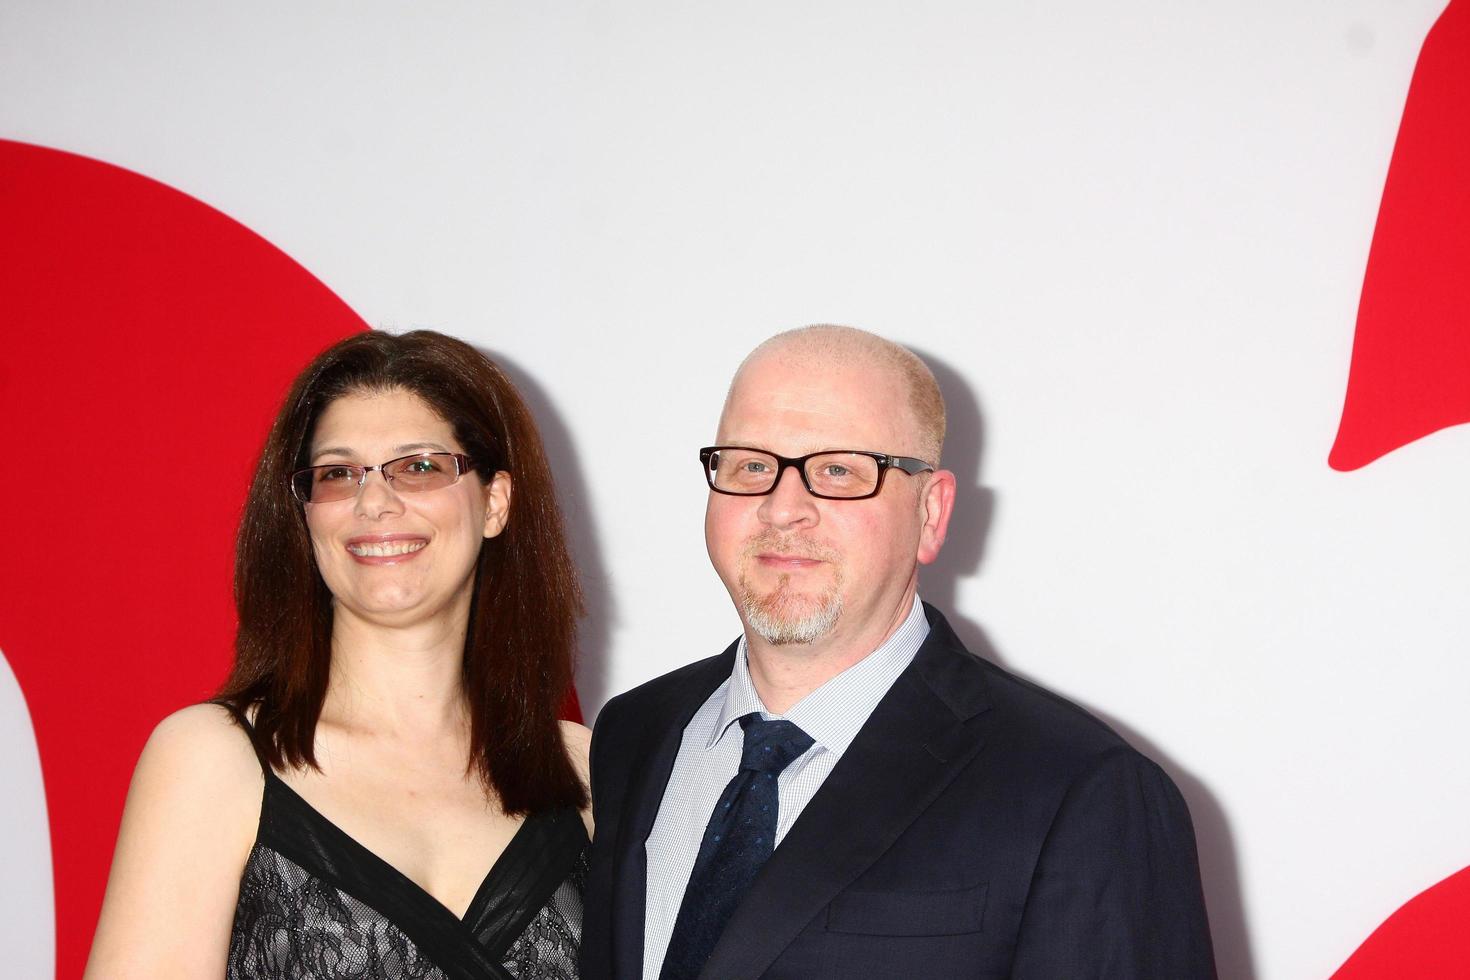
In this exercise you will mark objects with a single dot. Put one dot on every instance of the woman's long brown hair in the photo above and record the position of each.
(522, 628)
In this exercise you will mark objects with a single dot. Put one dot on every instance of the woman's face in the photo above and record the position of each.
(397, 558)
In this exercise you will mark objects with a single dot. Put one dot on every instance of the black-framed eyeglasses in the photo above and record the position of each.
(832, 474)
(406, 474)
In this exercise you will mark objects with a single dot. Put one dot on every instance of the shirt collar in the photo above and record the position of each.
(833, 713)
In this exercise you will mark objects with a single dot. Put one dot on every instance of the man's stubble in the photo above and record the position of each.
(785, 616)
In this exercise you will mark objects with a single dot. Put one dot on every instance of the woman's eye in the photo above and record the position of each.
(421, 466)
(333, 474)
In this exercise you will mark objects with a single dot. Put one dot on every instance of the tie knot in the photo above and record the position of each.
(770, 746)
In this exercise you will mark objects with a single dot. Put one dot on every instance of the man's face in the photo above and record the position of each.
(802, 569)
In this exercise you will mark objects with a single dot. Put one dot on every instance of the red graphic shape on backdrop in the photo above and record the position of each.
(149, 340)
(1426, 938)
(1410, 372)
(1410, 376)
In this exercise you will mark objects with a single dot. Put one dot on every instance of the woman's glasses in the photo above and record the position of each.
(406, 474)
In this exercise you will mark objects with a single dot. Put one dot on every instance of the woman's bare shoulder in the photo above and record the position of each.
(203, 743)
(578, 740)
(187, 830)
(198, 768)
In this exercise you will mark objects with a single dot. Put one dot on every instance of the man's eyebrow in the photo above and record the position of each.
(403, 450)
(812, 448)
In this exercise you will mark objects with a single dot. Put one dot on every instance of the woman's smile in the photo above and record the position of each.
(386, 549)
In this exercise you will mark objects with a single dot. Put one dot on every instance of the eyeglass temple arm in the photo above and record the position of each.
(909, 464)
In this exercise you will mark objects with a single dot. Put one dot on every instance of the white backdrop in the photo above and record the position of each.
(1128, 236)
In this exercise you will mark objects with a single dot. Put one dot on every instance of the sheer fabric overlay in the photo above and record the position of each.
(547, 950)
(289, 923)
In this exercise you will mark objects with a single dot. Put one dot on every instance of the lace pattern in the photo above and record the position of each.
(291, 925)
(547, 949)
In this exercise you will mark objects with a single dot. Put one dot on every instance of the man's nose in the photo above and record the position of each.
(376, 497)
(789, 504)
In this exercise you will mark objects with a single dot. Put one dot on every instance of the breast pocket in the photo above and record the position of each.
(908, 913)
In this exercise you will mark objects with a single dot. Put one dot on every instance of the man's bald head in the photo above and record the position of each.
(829, 344)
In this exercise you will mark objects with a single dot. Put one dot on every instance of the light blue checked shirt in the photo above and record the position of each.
(709, 757)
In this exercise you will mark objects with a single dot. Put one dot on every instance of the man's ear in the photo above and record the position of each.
(936, 504)
(497, 503)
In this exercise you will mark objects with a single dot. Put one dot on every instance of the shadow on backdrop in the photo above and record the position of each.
(964, 551)
(594, 636)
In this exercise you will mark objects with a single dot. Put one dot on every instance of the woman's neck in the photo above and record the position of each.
(400, 681)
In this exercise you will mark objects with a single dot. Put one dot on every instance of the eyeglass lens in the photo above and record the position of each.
(829, 474)
(408, 474)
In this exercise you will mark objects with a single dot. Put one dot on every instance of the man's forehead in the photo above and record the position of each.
(798, 373)
(811, 405)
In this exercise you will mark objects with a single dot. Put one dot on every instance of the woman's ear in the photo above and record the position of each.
(497, 503)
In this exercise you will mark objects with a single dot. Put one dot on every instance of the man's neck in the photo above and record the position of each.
(785, 673)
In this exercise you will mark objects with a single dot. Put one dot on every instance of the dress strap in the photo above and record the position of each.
(244, 722)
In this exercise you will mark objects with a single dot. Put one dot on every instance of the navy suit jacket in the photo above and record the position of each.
(978, 826)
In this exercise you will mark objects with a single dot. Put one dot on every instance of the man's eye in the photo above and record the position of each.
(836, 471)
(755, 466)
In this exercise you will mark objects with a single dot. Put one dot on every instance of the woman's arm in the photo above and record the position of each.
(187, 830)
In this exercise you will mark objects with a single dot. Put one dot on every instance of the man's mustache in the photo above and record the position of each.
(773, 542)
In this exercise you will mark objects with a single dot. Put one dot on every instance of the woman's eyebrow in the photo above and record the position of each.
(405, 449)
(413, 447)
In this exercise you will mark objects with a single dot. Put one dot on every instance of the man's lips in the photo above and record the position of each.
(787, 562)
(385, 549)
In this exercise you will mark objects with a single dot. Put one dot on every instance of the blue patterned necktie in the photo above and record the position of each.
(739, 838)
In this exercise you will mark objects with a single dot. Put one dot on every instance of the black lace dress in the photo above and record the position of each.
(314, 903)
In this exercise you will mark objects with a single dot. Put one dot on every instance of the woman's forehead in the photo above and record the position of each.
(376, 422)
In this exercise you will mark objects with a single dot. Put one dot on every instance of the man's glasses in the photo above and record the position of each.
(406, 474)
(835, 474)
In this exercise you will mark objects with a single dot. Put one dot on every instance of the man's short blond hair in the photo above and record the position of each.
(845, 345)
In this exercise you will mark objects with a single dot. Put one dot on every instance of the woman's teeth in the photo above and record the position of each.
(382, 549)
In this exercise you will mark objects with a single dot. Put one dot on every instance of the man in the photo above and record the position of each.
(845, 792)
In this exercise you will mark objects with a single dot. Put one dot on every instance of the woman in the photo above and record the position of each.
(382, 789)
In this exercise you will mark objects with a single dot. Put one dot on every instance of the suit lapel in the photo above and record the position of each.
(916, 741)
(656, 754)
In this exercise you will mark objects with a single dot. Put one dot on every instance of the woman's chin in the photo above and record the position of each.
(392, 607)
(399, 600)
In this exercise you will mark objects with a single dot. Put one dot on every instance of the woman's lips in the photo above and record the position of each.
(385, 549)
